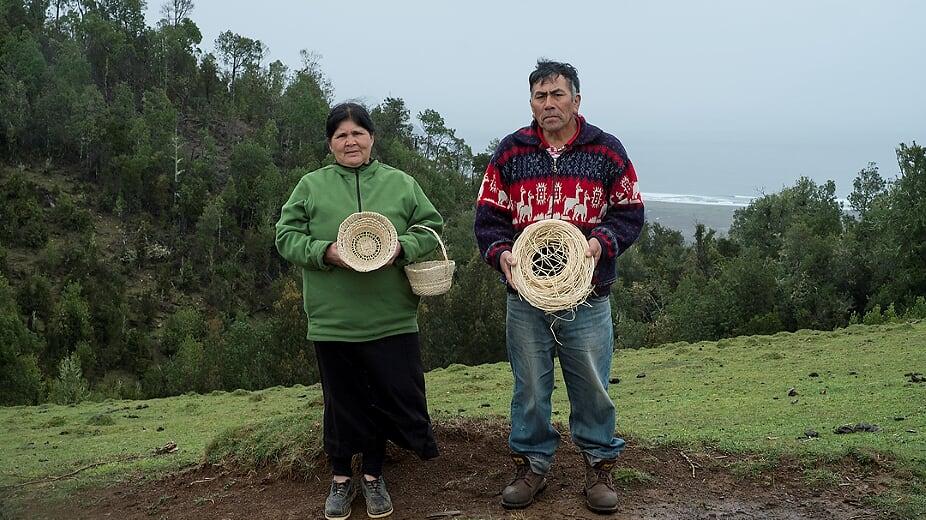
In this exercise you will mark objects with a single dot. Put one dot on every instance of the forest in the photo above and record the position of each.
(141, 177)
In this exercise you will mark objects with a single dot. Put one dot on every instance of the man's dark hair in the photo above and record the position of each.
(550, 69)
(344, 111)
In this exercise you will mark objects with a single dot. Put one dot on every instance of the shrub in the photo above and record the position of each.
(70, 387)
(184, 371)
(118, 385)
(873, 316)
(101, 419)
(186, 323)
(916, 311)
(68, 216)
(20, 377)
(629, 333)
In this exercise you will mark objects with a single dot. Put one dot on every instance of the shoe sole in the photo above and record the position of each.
(599, 510)
(509, 505)
(380, 515)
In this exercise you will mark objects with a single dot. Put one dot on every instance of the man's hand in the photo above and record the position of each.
(594, 250)
(332, 257)
(507, 261)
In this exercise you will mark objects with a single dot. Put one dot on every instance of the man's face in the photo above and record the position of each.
(553, 104)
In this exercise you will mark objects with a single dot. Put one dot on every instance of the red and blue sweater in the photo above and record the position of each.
(590, 182)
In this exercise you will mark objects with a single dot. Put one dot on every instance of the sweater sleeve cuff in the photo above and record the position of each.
(494, 253)
(607, 240)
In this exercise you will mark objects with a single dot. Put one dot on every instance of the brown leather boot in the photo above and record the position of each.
(600, 496)
(525, 485)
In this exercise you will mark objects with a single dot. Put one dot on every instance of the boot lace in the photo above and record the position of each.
(341, 488)
(375, 486)
(603, 476)
(521, 472)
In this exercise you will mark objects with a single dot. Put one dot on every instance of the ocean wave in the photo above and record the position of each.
(739, 201)
(707, 200)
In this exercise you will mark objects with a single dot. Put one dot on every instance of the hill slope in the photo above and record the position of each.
(721, 407)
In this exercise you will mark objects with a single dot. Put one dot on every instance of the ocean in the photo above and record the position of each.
(683, 212)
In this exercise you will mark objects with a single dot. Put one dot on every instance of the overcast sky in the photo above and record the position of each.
(709, 97)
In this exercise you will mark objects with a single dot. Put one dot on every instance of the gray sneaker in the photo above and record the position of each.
(379, 503)
(337, 505)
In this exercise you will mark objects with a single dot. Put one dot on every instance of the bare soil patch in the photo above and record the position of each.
(468, 478)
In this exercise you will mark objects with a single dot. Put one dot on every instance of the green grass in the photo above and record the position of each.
(49, 440)
(289, 443)
(752, 469)
(730, 396)
(821, 477)
(630, 477)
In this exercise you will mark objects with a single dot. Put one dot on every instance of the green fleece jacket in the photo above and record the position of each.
(343, 304)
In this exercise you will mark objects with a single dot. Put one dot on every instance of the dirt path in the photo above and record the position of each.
(471, 472)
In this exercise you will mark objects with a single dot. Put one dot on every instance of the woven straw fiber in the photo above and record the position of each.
(433, 277)
(552, 272)
(367, 241)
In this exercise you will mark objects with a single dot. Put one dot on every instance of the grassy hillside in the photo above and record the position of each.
(728, 396)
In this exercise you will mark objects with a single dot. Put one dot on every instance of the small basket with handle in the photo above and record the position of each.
(433, 277)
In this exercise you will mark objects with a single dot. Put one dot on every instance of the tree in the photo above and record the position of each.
(22, 221)
(905, 225)
(174, 11)
(70, 322)
(208, 243)
(70, 387)
(301, 118)
(393, 122)
(175, 49)
(436, 132)
(238, 52)
(22, 73)
(253, 176)
(763, 223)
(481, 159)
(20, 377)
(867, 186)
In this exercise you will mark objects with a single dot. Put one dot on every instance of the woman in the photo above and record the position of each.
(364, 324)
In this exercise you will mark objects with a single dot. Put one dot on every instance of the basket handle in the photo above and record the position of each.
(439, 241)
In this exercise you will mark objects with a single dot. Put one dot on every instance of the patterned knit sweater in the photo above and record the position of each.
(589, 182)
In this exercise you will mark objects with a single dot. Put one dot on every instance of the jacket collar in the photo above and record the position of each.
(369, 167)
(530, 135)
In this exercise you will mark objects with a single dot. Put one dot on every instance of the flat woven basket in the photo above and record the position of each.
(552, 273)
(433, 277)
(367, 241)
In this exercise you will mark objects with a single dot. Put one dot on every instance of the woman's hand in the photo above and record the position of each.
(332, 257)
(398, 253)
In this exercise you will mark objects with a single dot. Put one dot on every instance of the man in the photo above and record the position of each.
(560, 167)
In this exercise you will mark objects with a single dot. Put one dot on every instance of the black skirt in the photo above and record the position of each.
(374, 391)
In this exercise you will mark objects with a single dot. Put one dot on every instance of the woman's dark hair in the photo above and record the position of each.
(547, 69)
(352, 111)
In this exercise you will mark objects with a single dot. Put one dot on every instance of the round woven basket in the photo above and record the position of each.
(367, 241)
(552, 272)
(433, 277)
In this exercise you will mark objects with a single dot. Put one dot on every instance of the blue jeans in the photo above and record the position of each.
(585, 347)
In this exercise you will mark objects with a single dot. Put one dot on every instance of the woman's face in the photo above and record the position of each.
(351, 144)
